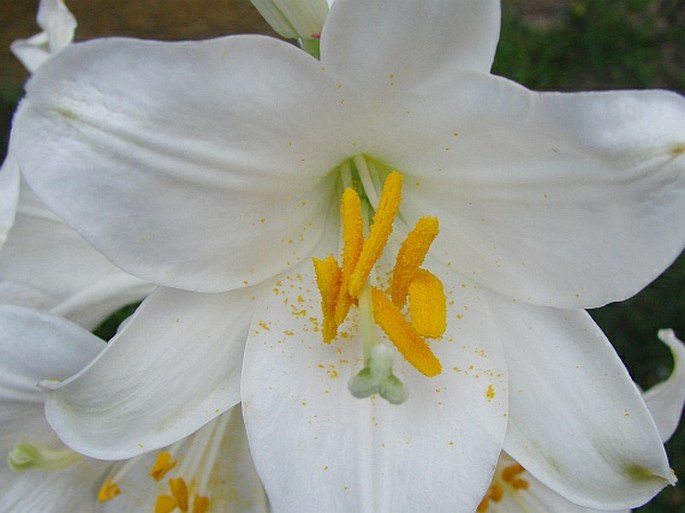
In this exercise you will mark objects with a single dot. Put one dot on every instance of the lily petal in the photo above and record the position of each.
(576, 420)
(218, 149)
(665, 400)
(346, 454)
(129, 401)
(60, 271)
(35, 346)
(549, 198)
(9, 196)
(394, 45)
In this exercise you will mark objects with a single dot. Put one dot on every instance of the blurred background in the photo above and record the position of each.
(564, 45)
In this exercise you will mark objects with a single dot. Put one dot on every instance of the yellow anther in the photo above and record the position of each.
(353, 240)
(511, 472)
(165, 504)
(410, 257)
(200, 504)
(163, 464)
(108, 491)
(380, 230)
(414, 348)
(496, 492)
(483, 506)
(427, 304)
(520, 484)
(328, 276)
(179, 490)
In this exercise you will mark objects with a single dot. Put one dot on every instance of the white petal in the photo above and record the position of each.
(9, 196)
(576, 420)
(387, 46)
(217, 149)
(568, 200)
(171, 369)
(33, 347)
(60, 271)
(315, 444)
(665, 400)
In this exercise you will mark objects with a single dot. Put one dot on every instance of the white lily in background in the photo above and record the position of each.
(515, 490)
(216, 168)
(210, 471)
(44, 263)
(58, 25)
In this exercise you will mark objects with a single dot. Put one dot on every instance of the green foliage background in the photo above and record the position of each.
(589, 44)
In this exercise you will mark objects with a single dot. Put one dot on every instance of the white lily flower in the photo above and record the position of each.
(514, 490)
(231, 155)
(45, 264)
(209, 471)
(58, 26)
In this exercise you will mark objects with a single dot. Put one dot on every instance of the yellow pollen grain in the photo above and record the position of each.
(414, 348)
(328, 277)
(200, 504)
(410, 256)
(353, 241)
(108, 491)
(163, 464)
(427, 304)
(388, 204)
(490, 394)
(165, 504)
(179, 490)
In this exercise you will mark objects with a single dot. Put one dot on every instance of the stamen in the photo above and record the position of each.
(165, 504)
(496, 492)
(403, 335)
(163, 464)
(353, 240)
(482, 507)
(179, 490)
(410, 257)
(108, 491)
(328, 277)
(427, 304)
(511, 472)
(200, 504)
(381, 228)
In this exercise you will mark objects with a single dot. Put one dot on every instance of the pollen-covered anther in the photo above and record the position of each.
(200, 504)
(179, 490)
(380, 231)
(163, 464)
(402, 334)
(410, 257)
(328, 279)
(353, 241)
(165, 504)
(427, 304)
(108, 491)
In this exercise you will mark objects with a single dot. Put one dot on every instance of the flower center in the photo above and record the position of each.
(342, 286)
(188, 465)
(507, 480)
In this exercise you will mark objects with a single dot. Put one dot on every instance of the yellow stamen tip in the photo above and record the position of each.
(388, 204)
(200, 504)
(408, 342)
(163, 464)
(353, 241)
(410, 257)
(179, 490)
(427, 304)
(165, 504)
(328, 278)
(108, 491)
